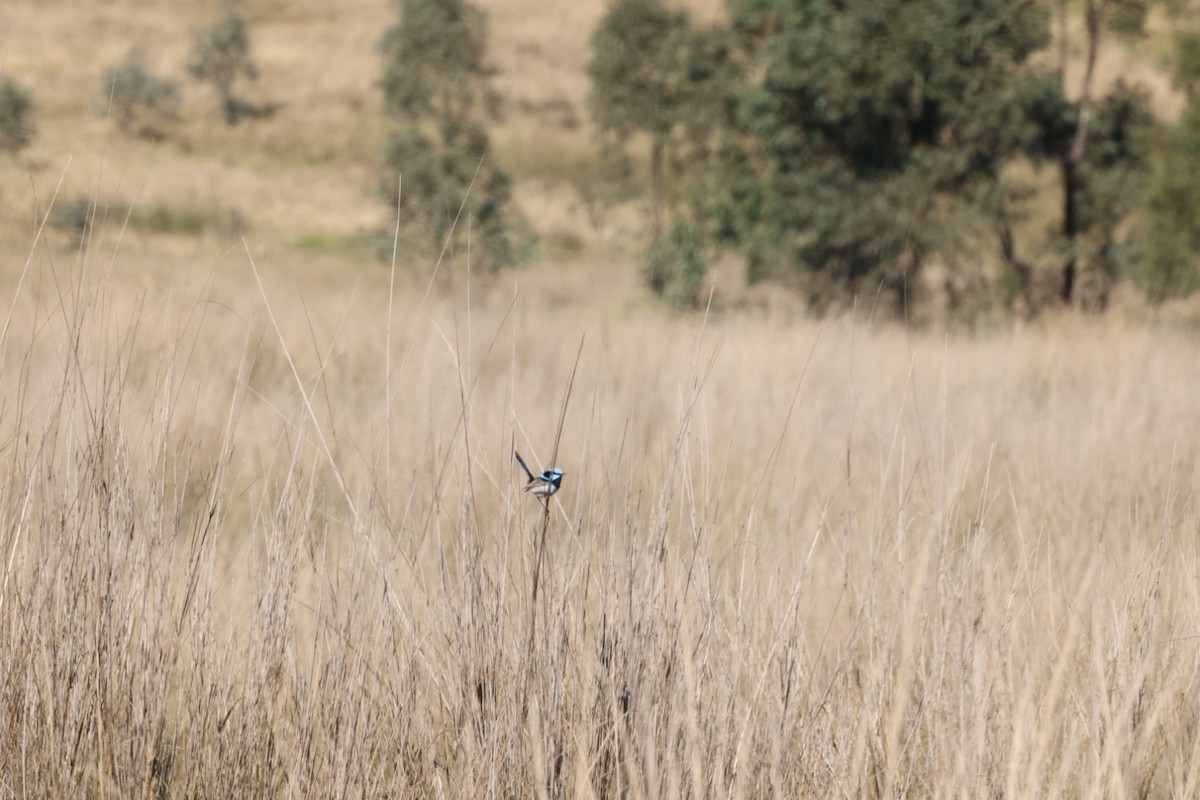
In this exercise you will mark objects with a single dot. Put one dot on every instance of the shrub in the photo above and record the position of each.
(16, 111)
(220, 55)
(137, 100)
(675, 263)
(74, 218)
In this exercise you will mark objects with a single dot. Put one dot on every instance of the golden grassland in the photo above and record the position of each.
(263, 535)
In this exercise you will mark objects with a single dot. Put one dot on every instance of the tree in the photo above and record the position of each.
(436, 85)
(636, 71)
(16, 117)
(866, 129)
(1108, 181)
(1106, 184)
(138, 100)
(656, 74)
(220, 55)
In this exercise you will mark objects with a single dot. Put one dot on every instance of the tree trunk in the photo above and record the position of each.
(1072, 159)
(1022, 271)
(1070, 229)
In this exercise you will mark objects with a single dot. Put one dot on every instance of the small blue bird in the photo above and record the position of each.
(544, 485)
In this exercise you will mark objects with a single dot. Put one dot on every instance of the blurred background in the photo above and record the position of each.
(934, 161)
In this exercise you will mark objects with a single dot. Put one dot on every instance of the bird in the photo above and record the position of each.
(544, 485)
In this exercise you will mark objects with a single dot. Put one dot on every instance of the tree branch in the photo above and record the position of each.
(1092, 17)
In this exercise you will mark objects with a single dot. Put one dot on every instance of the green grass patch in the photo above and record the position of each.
(554, 156)
(174, 221)
(349, 245)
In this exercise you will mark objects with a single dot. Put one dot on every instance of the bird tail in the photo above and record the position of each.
(521, 461)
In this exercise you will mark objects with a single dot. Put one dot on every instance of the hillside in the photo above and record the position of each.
(306, 178)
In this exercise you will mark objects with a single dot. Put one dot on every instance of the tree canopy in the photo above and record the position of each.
(846, 144)
(869, 123)
(436, 85)
(220, 55)
(656, 74)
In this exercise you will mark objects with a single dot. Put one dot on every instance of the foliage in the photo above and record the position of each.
(1099, 162)
(436, 85)
(16, 112)
(436, 61)
(220, 55)
(1187, 61)
(1099, 186)
(676, 261)
(1171, 201)
(865, 124)
(74, 217)
(635, 71)
(139, 101)
(1128, 17)
(841, 146)
(654, 73)
(636, 66)
(448, 185)
(1113, 173)
(1172, 206)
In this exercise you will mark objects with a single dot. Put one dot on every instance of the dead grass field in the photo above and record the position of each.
(261, 533)
(270, 541)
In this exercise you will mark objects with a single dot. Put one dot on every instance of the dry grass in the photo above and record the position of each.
(270, 541)
(789, 558)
